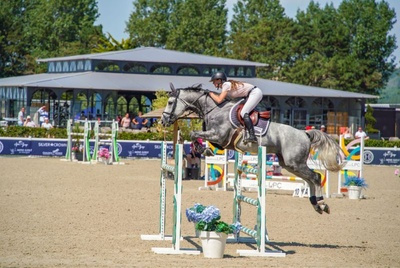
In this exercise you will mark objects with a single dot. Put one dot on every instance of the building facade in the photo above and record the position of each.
(105, 85)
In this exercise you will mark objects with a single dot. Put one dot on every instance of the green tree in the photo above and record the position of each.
(260, 31)
(41, 28)
(370, 120)
(149, 23)
(199, 27)
(62, 27)
(341, 48)
(109, 43)
(13, 48)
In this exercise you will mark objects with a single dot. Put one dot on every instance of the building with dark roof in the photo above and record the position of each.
(107, 84)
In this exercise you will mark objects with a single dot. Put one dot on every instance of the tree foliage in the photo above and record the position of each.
(198, 26)
(260, 31)
(41, 28)
(149, 23)
(347, 48)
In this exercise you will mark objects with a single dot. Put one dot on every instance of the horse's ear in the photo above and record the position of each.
(173, 90)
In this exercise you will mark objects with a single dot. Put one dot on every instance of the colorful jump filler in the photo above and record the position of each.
(354, 160)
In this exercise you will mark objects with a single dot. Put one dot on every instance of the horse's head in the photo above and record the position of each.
(179, 101)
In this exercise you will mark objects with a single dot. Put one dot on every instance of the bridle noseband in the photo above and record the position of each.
(171, 115)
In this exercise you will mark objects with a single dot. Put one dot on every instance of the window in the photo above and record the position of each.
(161, 69)
(212, 70)
(134, 68)
(58, 67)
(72, 66)
(188, 70)
(65, 68)
(88, 65)
(52, 67)
(107, 66)
(80, 65)
(240, 71)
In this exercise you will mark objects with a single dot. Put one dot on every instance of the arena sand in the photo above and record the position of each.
(62, 214)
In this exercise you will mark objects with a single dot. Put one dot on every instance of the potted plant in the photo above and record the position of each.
(213, 231)
(354, 186)
(77, 151)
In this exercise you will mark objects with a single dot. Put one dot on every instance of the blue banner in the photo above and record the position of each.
(152, 149)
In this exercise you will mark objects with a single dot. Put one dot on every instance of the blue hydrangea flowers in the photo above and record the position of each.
(207, 218)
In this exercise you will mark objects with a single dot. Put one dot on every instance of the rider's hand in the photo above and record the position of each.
(206, 91)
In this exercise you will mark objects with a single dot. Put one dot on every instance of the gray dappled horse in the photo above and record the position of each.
(292, 146)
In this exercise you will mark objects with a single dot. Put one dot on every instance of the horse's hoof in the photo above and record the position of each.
(318, 209)
(327, 209)
(322, 207)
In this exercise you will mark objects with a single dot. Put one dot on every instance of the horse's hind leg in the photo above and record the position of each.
(314, 181)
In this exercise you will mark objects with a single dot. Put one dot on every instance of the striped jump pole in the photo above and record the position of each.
(177, 204)
(260, 232)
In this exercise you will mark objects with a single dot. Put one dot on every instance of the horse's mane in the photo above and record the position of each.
(195, 87)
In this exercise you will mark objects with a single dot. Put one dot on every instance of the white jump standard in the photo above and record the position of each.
(111, 142)
(177, 207)
(85, 135)
(260, 234)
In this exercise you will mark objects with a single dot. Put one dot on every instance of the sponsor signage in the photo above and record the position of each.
(151, 149)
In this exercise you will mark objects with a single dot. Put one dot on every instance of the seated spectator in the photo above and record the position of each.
(47, 125)
(323, 128)
(29, 122)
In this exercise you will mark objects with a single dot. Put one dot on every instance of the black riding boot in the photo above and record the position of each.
(250, 128)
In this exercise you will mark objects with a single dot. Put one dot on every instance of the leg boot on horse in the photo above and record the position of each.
(250, 129)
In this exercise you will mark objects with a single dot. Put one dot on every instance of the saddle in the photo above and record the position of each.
(254, 115)
(260, 119)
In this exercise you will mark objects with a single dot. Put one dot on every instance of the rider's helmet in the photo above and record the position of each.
(219, 75)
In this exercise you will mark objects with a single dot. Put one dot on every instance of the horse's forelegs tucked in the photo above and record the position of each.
(208, 135)
(314, 181)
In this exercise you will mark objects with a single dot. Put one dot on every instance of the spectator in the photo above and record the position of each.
(139, 121)
(125, 121)
(42, 114)
(21, 116)
(29, 122)
(82, 117)
(323, 128)
(347, 135)
(47, 125)
(193, 158)
(360, 133)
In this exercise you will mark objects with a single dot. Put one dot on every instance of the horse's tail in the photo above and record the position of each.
(329, 151)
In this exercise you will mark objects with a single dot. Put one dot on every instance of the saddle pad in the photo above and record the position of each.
(260, 128)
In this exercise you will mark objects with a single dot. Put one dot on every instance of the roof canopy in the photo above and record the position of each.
(159, 55)
(152, 82)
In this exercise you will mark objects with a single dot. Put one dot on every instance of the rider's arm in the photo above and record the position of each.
(219, 98)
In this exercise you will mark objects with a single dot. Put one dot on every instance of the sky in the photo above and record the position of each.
(115, 13)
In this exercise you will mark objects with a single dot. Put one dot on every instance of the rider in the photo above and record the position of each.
(236, 89)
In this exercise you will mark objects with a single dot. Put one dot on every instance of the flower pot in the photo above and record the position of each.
(213, 244)
(79, 156)
(354, 192)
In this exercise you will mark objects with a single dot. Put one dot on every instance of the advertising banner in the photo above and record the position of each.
(151, 149)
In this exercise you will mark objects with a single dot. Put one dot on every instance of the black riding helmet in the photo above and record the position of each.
(219, 75)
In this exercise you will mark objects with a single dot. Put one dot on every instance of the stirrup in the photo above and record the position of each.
(249, 139)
